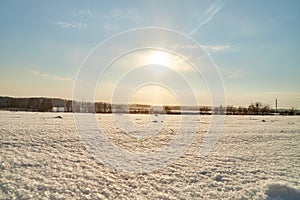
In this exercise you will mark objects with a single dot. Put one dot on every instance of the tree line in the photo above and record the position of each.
(256, 108)
(39, 104)
(42, 104)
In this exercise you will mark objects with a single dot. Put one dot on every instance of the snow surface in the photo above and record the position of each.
(42, 157)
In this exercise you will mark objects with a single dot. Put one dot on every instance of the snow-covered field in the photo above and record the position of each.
(256, 157)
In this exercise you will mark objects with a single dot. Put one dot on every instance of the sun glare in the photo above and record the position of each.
(159, 58)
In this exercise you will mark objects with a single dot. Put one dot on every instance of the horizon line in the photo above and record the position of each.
(146, 104)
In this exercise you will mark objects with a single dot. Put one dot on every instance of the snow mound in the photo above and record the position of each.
(282, 192)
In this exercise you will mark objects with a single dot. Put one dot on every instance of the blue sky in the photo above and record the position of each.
(255, 44)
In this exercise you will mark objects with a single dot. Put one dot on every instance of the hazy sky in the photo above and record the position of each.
(254, 44)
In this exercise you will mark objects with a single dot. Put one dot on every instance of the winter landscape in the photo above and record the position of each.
(137, 99)
(43, 157)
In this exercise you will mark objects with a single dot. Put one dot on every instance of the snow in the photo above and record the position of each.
(43, 157)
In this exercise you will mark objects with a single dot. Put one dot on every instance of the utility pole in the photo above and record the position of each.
(276, 106)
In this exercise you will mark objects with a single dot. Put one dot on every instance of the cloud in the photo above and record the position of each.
(78, 20)
(86, 13)
(118, 17)
(207, 16)
(130, 15)
(65, 24)
(48, 76)
(35, 72)
(233, 75)
(218, 48)
(209, 48)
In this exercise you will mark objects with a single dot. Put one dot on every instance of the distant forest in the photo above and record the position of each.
(42, 104)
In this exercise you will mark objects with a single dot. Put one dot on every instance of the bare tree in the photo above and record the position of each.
(46, 105)
(204, 110)
(69, 106)
(33, 104)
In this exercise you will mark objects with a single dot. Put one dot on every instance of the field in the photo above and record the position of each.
(43, 157)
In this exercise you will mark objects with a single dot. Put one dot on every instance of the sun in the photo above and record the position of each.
(159, 58)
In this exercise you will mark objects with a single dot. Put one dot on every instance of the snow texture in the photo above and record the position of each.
(42, 157)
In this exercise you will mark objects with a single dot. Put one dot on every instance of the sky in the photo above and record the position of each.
(253, 44)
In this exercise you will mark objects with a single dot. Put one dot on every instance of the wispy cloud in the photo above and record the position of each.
(77, 21)
(117, 17)
(218, 48)
(35, 72)
(120, 15)
(65, 24)
(232, 73)
(48, 76)
(209, 48)
(86, 13)
(207, 16)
